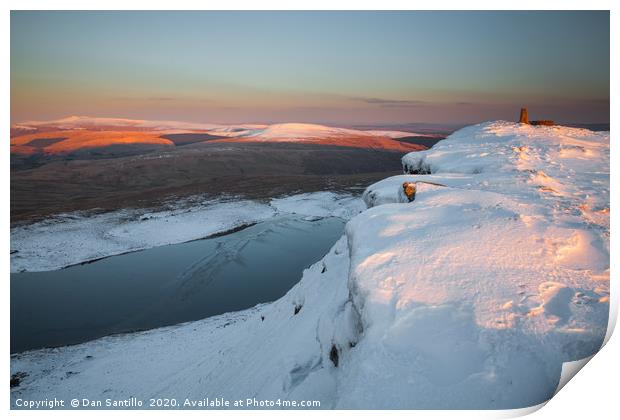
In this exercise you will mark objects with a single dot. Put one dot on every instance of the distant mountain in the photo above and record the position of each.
(82, 136)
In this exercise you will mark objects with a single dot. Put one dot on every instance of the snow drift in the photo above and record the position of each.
(471, 296)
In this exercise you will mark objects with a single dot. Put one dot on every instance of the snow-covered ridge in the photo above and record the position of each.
(76, 122)
(494, 276)
(302, 131)
(258, 131)
(310, 131)
(471, 296)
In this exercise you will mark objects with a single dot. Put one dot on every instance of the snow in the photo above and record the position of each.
(396, 134)
(495, 275)
(273, 132)
(471, 296)
(299, 131)
(288, 131)
(232, 356)
(320, 204)
(82, 122)
(455, 298)
(70, 239)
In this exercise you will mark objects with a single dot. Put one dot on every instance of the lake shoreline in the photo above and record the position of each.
(76, 238)
(166, 285)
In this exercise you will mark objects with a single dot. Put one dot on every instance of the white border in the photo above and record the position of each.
(593, 395)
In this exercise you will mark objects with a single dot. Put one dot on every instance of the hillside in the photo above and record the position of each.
(471, 296)
(86, 137)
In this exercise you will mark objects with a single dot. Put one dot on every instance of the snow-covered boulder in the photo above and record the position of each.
(390, 190)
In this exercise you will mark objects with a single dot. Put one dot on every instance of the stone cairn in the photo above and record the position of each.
(523, 119)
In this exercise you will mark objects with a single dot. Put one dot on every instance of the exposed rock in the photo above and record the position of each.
(333, 355)
(409, 190)
(543, 122)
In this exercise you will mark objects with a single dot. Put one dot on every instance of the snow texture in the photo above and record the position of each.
(471, 296)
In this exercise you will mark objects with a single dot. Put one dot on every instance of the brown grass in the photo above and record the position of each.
(83, 139)
(361, 142)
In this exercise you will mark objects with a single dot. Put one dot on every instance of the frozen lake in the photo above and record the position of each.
(166, 285)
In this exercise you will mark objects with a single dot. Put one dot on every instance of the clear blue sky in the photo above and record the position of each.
(329, 67)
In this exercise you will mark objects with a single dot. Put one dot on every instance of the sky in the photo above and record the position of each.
(318, 67)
